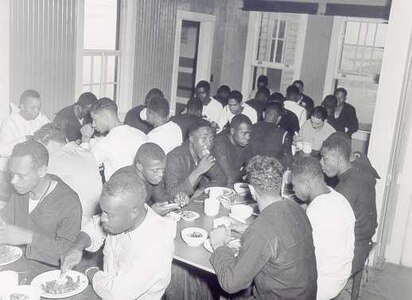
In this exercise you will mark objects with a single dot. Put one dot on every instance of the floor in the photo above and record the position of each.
(391, 283)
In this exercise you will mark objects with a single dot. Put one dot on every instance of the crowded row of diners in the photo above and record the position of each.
(238, 196)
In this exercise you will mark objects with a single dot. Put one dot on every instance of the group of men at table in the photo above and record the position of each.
(59, 206)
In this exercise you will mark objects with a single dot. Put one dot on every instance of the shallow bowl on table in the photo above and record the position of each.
(22, 292)
(241, 212)
(194, 236)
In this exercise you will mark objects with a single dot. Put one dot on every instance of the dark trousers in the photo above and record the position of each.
(361, 253)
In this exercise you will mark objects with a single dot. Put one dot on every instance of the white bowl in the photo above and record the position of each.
(241, 188)
(194, 241)
(217, 191)
(30, 291)
(241, 212)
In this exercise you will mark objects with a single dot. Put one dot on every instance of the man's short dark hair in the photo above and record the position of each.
(277, 97)
(264, 91)
(149, 152)
(265, 173)
(49, 132)
(330, 101)
(319, 112)
(203, 84)
(28, 94)
(339, 145)
(263, 79)
(159, 106)
(196, 127)
(194, 104)
(239, 120)
(300, 82)
(236, 95)
(155, 92)
(274, 107)
(308, 167)
(33, 148)
(87, 99)
(292, 90)
(223, 89)
(341, 90)
(104, 104)
(125, 183)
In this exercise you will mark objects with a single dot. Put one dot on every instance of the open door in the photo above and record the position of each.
(192, 55)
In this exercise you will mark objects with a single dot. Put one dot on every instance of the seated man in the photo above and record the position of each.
(134, 116)
(71, 118)
(235, 106)
(230, 149)
(315, 130)
(43, 213)
(212, 109)
(118, 148)
(268, 139)
(138, 243)
(191, 119)
(333, 222)
(74, 165)
(166, 134)
(288, 120)
(191, 166)
(277, 249)
(19, 125)
(304, 100)
(291, 103)
(222, 94)
(260, 101)
(358, 186)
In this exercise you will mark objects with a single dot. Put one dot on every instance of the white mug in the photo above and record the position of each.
(211, 207)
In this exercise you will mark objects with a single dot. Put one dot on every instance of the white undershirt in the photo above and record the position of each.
(33, 203)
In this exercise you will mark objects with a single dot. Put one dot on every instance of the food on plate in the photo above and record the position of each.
(61, 287)
(196, 234)
(18, 296)
(189, 215)
(7, 254)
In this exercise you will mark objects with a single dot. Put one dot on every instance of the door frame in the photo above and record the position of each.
(204, 54)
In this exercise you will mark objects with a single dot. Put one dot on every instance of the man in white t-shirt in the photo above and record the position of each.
(23, 123)
(166, 134)
(118, 148)
(236, 106)
(291, 103)
(333, 225)
(212, 109)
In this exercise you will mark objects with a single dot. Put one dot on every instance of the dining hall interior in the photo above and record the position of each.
(196, 141)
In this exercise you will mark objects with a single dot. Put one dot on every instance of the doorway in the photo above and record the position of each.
(192, 55)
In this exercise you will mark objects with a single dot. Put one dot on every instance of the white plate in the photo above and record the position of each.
(41, 279)
(173, 216)
(233, 244)
(193, 215)
(9, 254)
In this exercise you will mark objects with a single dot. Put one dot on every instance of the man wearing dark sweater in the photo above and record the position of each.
(345, 114)
(304, 101)
(191, 167)
(277, 252)
(231, 149)
(358, 186)
(71, 118)
(44, 213)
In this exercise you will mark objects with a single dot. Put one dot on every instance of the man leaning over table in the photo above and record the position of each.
(138, 243)
(43, 213)
(277, 253)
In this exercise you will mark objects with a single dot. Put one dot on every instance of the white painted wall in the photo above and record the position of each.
(391, 89)
(4, 58)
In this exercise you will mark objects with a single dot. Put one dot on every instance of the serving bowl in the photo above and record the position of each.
(24, 292)
(194, 236)
(241, 212)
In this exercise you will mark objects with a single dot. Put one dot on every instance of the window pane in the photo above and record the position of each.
(279, 52)
(348, 59)
(370, 34)
(275, 28)
(381, 35)
(282, 29)
(367, 66)
(110, 69)
(97, 62)
(100, 24)
(362, 35)
(262, 49)
(86, 69)
(86, 88)
(273, 49)
(351, 33)
(275, 79)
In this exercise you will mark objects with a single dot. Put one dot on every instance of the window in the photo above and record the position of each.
(359, 59)
(276, 41)
(101, 57)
